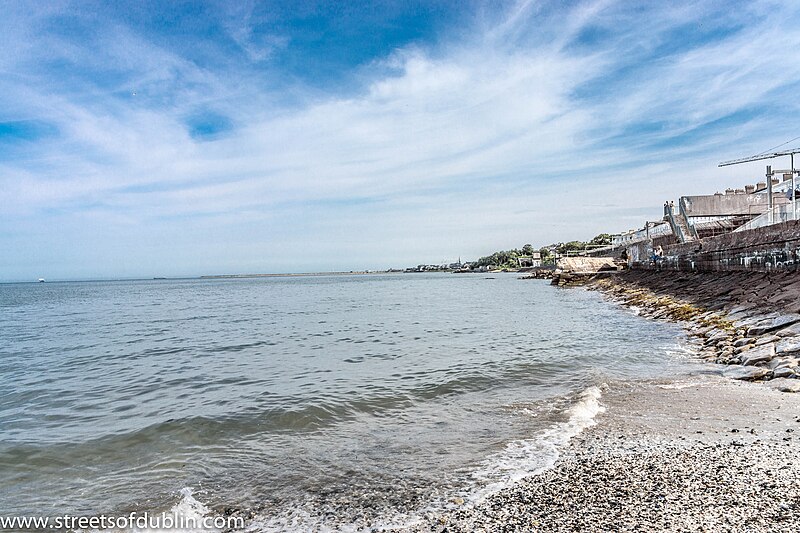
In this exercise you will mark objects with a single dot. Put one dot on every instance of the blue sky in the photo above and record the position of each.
(187, 138)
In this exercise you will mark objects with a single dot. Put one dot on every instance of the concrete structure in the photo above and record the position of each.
(534, 260)
(727, 205)
(753, 227)
(700, 216)
(587, 265)
(766, 249)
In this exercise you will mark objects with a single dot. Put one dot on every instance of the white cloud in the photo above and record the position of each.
(480, 141)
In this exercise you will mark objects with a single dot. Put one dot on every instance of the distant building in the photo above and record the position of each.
(527, 261)
(715, 214)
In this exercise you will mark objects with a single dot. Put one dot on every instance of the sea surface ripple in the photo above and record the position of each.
(327, 394)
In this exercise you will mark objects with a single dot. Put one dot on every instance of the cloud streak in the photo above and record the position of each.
(512, 129)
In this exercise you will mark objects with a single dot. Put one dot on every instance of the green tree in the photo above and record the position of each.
(603, 239)
(571, 246)
(501, 259)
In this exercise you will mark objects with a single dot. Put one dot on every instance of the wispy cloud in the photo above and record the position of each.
(524, 124)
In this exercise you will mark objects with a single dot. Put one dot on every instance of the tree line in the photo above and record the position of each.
(508, 258)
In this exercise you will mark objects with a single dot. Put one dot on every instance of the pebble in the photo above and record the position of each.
(646, 486)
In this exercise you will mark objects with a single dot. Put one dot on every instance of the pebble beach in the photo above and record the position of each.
(706, 455)
(716, 452)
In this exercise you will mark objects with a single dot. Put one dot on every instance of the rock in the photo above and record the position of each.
(701, 331)
(741, 349)
(746, 323)
(745, 373)
(771, 325)
(743, 342)
(790, 331)
(716, 337)
(788, 345)
(741, 311)
(785, 385)
(768, 338)
(787, 361)
(783, 372)
(759, 354)
(708, 355)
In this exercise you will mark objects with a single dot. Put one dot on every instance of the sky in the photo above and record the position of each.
(144, 139)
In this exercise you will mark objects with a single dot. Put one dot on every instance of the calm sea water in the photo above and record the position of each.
(306, 401)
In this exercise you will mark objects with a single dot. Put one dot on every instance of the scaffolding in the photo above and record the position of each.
(771, 216)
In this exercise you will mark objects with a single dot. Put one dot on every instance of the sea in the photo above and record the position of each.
(309, 403)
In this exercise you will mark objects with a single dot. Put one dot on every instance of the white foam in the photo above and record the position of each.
(527, 457)
(295, 520)
(517, 460)
(187, 511)
(692, 382)
(189, 508)
(681, 351)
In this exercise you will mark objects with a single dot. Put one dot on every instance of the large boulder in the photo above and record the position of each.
(743, 342)
(773, 324)
(787, 361)
(789, 331)
(746, 373)
(784, 372)
(785, 384)
(767, 339)
(759, 354)
(788, 345)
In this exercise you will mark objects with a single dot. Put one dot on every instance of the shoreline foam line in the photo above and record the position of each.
(529, 457)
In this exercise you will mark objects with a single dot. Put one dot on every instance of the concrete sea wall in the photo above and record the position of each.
(767, 249)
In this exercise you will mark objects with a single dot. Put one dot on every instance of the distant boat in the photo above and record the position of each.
(41, 280)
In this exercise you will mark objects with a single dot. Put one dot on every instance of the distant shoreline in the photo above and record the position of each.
(212, 276)
(293, 275)
(273, 275)
(354, 273)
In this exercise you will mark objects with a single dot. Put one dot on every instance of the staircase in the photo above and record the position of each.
(680, 225)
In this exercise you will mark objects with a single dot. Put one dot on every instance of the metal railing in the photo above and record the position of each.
(689, 224)
(776, 215)
(643, 234)
(589, 248)
(670, 211)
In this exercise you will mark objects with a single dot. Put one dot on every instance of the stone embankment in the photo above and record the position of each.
(749, 321)
(574, 271)
(576, 279)
(539, 273)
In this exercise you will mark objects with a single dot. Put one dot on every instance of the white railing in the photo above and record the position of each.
(776, 215)
(643, 234)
